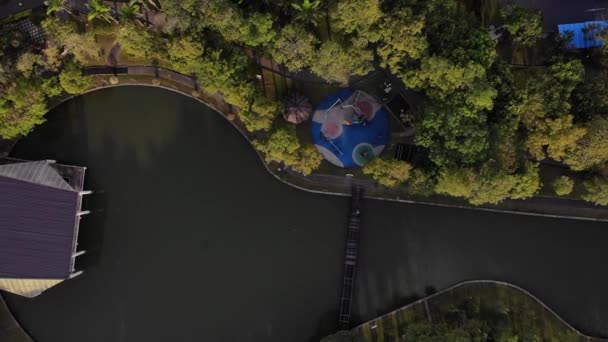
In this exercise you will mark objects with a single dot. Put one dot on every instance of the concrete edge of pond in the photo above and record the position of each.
(491, 282)
(521, 207)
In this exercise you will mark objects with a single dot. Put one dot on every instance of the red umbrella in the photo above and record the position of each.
(297, 109)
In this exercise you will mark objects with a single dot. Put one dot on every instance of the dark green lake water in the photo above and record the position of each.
(197, 242)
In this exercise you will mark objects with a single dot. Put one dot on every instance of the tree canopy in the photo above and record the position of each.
(72, 80)
(388, 172)
(563, 185)
(294, 47)
(596, 190)
(524, 25)
(479, 123)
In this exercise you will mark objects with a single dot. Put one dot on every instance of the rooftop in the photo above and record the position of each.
(40, 207)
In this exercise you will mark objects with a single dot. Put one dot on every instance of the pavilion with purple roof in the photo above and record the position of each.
(40, 211)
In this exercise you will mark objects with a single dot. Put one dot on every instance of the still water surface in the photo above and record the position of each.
(197, 242)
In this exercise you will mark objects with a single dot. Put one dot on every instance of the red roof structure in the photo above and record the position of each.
(297, 109)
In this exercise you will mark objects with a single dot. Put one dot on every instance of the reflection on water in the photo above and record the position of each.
(197, 243)
(142, 125)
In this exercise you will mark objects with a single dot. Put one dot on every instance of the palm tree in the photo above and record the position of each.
(307, 5)
(56, 6)
(306, 9)
(130, 11)
(97, 9)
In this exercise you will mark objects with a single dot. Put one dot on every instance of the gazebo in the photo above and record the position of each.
(40, 211)
(297, 109)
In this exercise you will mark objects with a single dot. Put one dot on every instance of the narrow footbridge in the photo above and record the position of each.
(350, 258)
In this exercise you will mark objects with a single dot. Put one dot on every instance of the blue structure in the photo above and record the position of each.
(350, 128)
(584, 33)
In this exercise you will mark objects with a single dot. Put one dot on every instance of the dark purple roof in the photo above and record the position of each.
(37, 226)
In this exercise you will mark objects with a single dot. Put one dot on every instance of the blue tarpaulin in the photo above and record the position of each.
(584, 34)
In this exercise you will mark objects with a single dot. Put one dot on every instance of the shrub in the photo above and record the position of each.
(388, 172)
(563, 186)
(308, 159)
(596, 190)
(72, 80)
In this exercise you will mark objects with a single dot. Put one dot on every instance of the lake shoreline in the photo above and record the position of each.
(551, 207)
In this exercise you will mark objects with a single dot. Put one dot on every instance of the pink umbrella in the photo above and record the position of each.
(297, 109)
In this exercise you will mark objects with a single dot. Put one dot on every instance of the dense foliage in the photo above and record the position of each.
(479, 318)
(563, 186)
(482, 126)
(388, 172)
(282, 146)
(28, 80)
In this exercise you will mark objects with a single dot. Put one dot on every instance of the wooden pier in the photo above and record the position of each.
(350, 258)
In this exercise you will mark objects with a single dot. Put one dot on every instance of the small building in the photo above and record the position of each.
(40, 211)
(585, 34)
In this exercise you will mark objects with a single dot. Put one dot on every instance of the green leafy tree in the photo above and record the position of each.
(280, 145)
(440, 77)
(507, 145)
(551, 130)
(139, 42)
(225, 73)
(57, 6)
(454, 132)
(596, 190)
(590, 99)
(591, 150)
(421, 182)
(98, 10)
(306, 5)
(222, 16)
(563, 185)
(257, 29)
(130, 11)
(306, 11)
(72, 80)
(52, 55)
(28, 63)
(454, 33)
(294, 48)
(186, 54)
(64, 34)
(22, 106)
(241, 94)
(488, 185)
(524, 25)
(388, 172)
(308, 159)
(557, 135)
(559, 83)
(402, 40)
(261, 115)
(350, 16)
(336, 63)
(527, 183)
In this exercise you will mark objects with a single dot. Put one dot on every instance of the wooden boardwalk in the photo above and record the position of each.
(350, 258)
